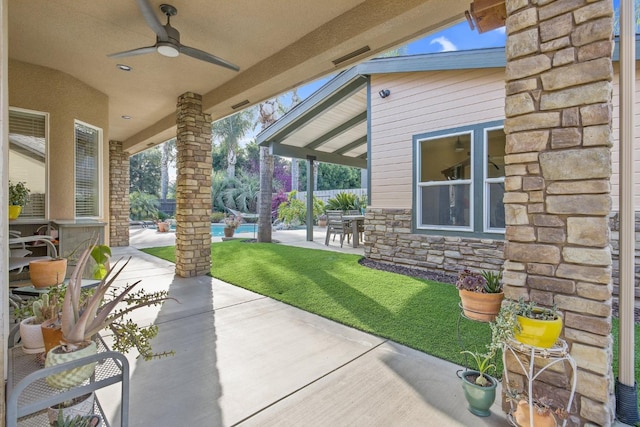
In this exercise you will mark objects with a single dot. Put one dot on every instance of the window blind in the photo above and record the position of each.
(87, 166)
(27, 151)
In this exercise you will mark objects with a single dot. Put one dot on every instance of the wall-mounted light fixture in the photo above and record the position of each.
(384, 93)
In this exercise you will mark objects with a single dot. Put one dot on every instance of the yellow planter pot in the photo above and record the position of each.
(538, 333)
(14, 211)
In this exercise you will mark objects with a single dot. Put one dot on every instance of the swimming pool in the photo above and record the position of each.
(217, 230)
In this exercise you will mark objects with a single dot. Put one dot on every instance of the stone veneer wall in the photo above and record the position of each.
(557, 200)
(388, 239)
(118, 195)
(193, 192)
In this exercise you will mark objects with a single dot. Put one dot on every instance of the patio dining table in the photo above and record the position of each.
(354, 221)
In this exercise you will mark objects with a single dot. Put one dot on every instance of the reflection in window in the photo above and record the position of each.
(444, 197)
(87, 171)
(27, 157)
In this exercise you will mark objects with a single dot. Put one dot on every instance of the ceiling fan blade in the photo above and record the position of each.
(152, 20)
(133, 52)
(207, 57)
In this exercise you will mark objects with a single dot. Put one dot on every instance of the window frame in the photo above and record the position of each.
(46, 156)
(420, 185)
(487, 181)
(99, 172)
(478, 197)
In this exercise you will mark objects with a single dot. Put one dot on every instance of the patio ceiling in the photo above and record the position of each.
(277, 45)
(331, 125)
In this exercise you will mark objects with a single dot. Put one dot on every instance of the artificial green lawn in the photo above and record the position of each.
(419, 313)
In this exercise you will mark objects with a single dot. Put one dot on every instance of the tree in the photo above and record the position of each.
(616, 22)
(142, 205)
(145, 171)
(332, 177)
(267, 115)
(168, 157)
(229, 131)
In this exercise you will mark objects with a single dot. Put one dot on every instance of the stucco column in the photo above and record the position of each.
(193, 192)
(557, 199)
(118, 195)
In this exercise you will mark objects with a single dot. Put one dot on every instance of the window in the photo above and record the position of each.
(28, 157)
(495, 141)
(460, 180)
(444, 187)
(87, 191)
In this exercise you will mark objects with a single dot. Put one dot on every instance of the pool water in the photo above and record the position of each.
(217, 230)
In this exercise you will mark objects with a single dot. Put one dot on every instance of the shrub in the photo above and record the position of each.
(293, 211)
(217, 217)
(345, 202)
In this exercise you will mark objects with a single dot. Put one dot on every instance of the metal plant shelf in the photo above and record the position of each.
(29, 395)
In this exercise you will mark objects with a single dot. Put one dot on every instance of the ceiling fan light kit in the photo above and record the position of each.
(168, 39)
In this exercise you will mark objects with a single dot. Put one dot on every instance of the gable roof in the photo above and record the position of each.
(331, 124)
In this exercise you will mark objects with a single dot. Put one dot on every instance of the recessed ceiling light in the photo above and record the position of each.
(126, 117)
(124, 67)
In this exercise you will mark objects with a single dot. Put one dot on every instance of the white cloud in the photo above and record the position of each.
(445, 44)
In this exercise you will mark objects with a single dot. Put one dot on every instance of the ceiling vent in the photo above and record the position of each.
(240, 104)
(351, 55)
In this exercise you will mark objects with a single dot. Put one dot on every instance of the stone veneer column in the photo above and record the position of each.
(193, 193)
(118, 195)
(558, 125)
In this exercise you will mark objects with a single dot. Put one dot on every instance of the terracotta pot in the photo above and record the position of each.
(538, 333)
(31, 334)
(521, 416)
(14, 211)
(51, 334)
(72, 377)
(228, 231)
(47, 272)
(163, 227)
(480, 306)
(322, 223)
(81, 406)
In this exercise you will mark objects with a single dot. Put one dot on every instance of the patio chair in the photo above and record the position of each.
(337, 226)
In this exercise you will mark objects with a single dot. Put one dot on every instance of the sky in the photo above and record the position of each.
(456, 37)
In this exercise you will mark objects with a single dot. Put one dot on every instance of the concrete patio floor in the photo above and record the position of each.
(245, 359)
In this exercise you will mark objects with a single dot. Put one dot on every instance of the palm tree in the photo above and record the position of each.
(229, 131)
(168, 157)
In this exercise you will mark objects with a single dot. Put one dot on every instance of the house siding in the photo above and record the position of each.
(422, 102)
(419, 103)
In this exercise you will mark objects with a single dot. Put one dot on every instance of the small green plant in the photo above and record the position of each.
(18, 194)
(493, 283)
(483, 362)
(506, 323)
(76, 421)
(45, 307)
(344, 202)
(293, 211)
(217, 217)
(486, 282)
(101, 255)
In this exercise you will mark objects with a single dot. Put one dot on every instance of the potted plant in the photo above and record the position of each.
(544, 414)
(528, 323)
(76, 412)
(18, 198)
(231, 222)
(33, 315)
(76, 421)
(322, 220)
(480, 293)
(80, 321)
(480, 387)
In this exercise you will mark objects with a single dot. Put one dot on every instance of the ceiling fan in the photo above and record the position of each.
(168, 39)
